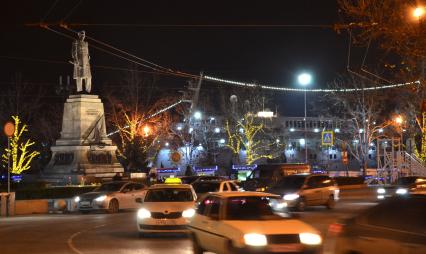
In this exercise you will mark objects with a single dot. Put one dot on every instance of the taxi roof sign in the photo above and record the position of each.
(173, 180)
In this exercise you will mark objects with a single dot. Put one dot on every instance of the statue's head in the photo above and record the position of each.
(81, 35)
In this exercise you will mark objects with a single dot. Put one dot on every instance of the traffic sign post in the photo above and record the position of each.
(9, 130)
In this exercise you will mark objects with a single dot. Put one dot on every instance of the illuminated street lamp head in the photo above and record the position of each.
(419, 12)
(197, 115)
(146, 130)
(304, 79)
(398, 119)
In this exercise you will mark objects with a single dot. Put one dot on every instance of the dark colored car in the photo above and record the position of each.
(192, 179)
(396, 225)
(402, 187)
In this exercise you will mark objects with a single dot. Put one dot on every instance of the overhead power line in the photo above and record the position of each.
(159, 68)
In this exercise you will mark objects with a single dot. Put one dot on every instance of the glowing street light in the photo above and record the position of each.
(304, 79)
(419, 12)
(146, 130)
(398, 120)
(197, 115)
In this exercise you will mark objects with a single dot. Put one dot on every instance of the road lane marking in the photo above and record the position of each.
(71, 238)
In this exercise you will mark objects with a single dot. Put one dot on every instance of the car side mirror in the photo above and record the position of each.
(139, 200)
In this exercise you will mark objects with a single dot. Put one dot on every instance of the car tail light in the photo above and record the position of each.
(336, 228)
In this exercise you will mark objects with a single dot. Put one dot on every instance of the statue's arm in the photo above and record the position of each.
(74, 53)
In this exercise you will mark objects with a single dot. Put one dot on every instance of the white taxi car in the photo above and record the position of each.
(111, 197)
(166, 208)
(249, 222)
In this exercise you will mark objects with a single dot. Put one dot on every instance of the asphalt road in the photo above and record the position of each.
(117, 233)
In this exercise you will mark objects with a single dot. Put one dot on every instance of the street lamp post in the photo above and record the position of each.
(399, 121)
(304, 80)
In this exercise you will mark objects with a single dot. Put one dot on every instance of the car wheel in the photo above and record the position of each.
(331, 203)
(196, 248)
(113, 206)
(141, 235)
(301, 204)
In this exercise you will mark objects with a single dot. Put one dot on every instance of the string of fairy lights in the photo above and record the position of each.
(289, 89)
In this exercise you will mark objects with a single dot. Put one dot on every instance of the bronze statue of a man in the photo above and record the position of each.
(80, 60)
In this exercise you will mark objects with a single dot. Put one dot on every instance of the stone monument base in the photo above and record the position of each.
(84, 153)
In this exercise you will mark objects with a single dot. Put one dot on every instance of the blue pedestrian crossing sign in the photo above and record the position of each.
(327, 138)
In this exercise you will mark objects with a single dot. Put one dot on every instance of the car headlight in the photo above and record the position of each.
(290, 197)
(310, 238)
(188, 213)
(77, 199)
(143, 213)
(381, 191)
(401, 191)
(100, 198)
(255, 239)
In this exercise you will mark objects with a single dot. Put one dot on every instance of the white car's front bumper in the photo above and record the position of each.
(163, 224)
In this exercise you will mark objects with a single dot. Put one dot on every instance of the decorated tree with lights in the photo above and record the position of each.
(249, 137)
(133, 113)
(20, 151)
(249, 133)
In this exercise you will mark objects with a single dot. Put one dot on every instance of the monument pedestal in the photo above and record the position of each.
(83, 150)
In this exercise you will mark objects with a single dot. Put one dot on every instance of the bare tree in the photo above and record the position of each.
(392, 26)
(400, 35)
(364, 114)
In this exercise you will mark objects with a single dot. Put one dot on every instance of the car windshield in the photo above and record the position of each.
(110, 186)
(291, 182)
(253, 208)
(204, 187)
(169, 195)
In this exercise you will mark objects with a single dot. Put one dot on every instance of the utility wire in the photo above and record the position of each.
(49, 10)
(204, 25)
(94, 66)
(121, 51)
(72, 10)
(167, 71)
(253, 85)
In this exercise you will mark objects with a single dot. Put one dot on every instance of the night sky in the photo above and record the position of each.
(265, 54)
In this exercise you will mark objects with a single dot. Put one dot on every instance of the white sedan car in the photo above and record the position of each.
(249, 222)
(204, 187)
(166, 208)
(111, 197)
